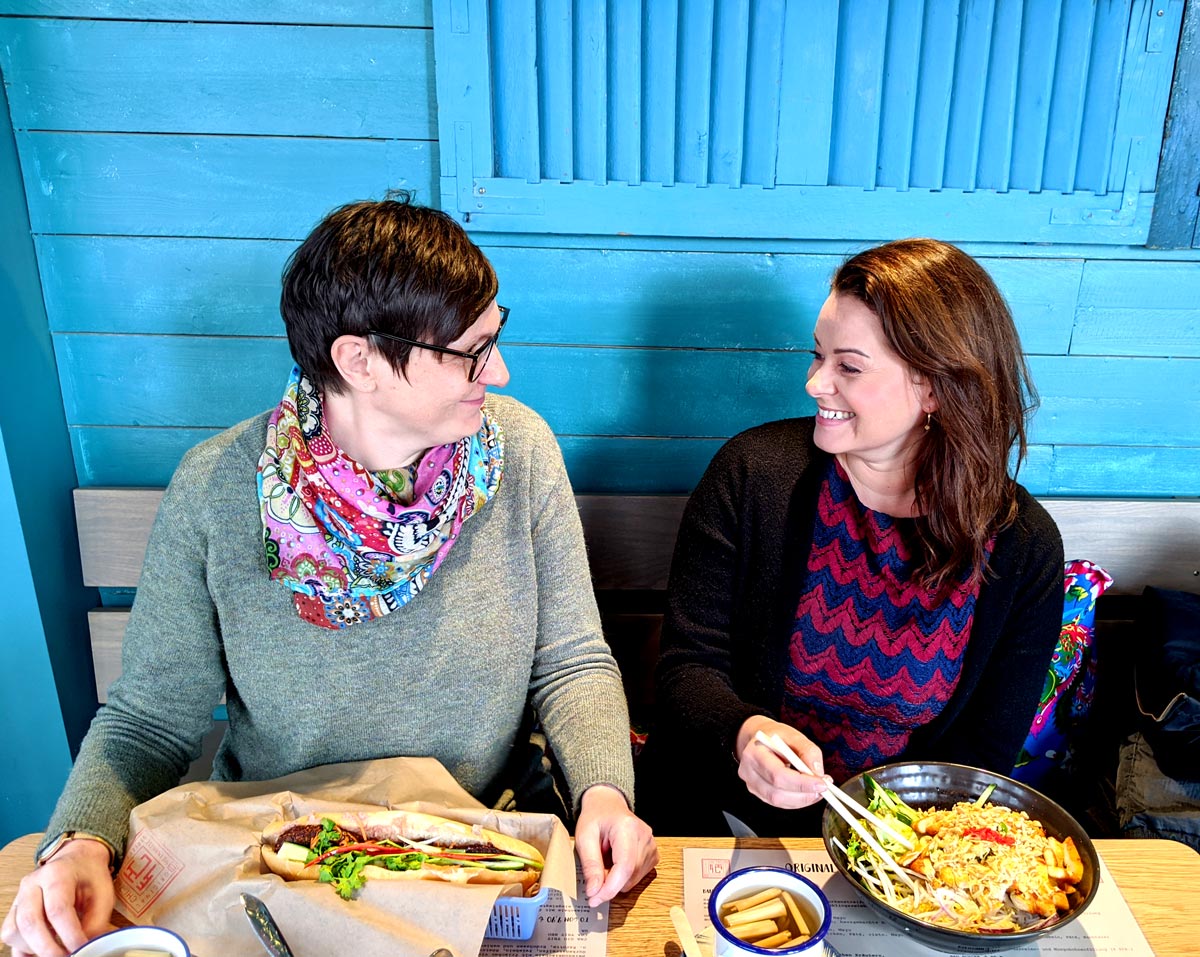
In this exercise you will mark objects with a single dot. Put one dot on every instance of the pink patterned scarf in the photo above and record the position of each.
(333, 532)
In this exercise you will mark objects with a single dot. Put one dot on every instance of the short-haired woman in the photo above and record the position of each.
(390, 562)
(869, 583)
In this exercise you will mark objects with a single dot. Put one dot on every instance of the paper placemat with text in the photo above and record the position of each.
(1106, 928)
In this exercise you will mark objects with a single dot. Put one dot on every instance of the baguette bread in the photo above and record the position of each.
(399, 826)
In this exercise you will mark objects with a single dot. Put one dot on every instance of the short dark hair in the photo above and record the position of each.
(389, 265)
(943, 315)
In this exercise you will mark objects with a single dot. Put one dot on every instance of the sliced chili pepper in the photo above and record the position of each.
(989, 834)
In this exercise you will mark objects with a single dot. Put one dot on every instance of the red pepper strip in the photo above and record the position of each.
(380, 850)
(989, 834)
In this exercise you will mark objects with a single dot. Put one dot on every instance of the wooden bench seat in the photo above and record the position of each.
(630, 538)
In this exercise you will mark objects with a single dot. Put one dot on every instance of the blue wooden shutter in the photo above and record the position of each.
(998, 120)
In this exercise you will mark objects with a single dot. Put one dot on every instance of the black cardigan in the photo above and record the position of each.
(731, 599)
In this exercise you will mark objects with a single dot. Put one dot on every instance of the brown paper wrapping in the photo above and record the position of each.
(194, 850)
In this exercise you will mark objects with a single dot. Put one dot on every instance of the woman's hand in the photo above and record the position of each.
(63, 904)
(616, 848)
(768, 776)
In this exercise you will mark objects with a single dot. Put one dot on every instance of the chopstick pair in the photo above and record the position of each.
(841, 802)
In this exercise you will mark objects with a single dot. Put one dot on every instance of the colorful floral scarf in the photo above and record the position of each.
(333, 531)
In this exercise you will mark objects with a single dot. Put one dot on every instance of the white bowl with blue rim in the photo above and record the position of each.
(751, 880)
(125, 939)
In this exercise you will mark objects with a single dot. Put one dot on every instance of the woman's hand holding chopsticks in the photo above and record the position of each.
(768, 776)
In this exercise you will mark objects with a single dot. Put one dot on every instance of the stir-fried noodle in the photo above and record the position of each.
(976, 867)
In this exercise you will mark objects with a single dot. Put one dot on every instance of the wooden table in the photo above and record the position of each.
(1159, 879)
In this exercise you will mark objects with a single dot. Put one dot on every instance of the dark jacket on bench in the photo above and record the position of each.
(737, 568)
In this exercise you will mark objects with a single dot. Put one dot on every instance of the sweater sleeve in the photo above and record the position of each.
(575, 685)
(698, 708)
(158, 711)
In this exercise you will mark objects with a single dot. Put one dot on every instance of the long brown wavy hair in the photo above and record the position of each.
(943, 315)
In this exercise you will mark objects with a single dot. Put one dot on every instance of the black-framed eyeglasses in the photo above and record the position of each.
(479, 358)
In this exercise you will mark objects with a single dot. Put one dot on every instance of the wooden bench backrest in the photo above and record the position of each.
(630, 538)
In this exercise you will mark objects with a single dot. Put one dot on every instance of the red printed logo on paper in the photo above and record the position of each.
(148, 870)
(711, 867)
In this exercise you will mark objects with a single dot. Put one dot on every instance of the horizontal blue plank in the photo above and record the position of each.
(1138, 309)
(632, 298)
(1034, 472)
(262, 187)
(836, 247)
(195, 381)
(122, 76)
(163, 285)
(1109, 401)
(127, 456)
(133, 457)
(168, 380)
(720, 300)
(800, 212)
(1129, 472)
(396, 13)
(114, 456)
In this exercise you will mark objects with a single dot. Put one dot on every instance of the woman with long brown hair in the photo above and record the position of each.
(869, 583)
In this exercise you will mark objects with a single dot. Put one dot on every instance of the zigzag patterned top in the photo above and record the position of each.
(873, 655)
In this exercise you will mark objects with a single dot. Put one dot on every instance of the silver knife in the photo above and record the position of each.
(737, 827)
(265, 927)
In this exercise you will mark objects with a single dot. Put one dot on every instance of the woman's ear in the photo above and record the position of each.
(929, 401)
(355, 361)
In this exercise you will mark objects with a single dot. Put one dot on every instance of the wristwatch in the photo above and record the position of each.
(66, 836)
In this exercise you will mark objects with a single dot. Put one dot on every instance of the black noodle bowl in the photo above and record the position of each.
(943, 785)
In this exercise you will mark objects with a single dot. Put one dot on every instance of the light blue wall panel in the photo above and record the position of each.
(625, 91)
(99, 75)
(763, 91)
(589, 77)
(731, 56)
(33, 740)
(680, 299)
(806, 98)
(862, 41)
(201, 287)
(123, 456)
(395, 13)
(1116, 402)
(995, 161)
(788, 213)
(116, 456)
(555, 121)
(920, 97)
(169, 380)
(660, 92)
(513, 47)
(1147, 471)
(899, 94)
(1139, 309)
(191, 381)
(262, 187)
(127, 456)
(47, 693)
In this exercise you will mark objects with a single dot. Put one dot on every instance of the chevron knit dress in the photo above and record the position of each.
(873, 655)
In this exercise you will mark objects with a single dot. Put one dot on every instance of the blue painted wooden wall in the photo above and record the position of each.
(47, 696)
(172, 153)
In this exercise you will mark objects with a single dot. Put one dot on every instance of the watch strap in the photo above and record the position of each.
(66, 836)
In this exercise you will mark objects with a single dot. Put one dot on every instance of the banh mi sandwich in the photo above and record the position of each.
(347, 848)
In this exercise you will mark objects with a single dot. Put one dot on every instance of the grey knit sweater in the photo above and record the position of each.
(508, 616)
